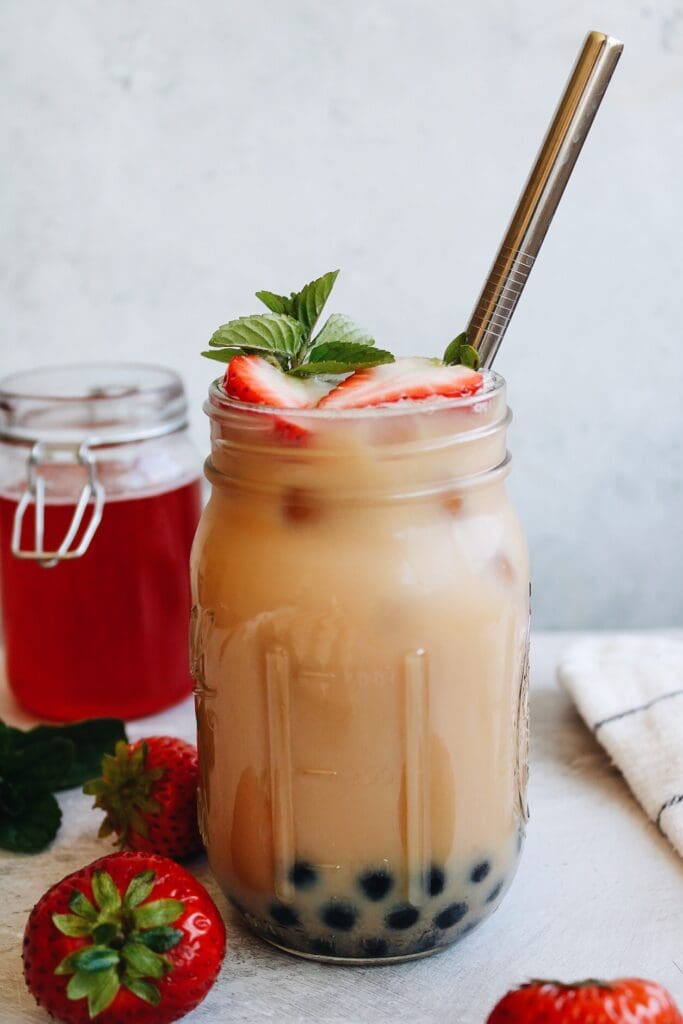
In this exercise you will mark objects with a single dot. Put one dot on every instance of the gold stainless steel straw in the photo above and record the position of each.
(542, 193)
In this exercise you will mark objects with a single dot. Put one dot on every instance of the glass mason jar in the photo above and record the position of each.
(359, 645)
(99, 500)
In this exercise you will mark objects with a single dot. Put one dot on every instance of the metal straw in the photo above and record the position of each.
(542, 193)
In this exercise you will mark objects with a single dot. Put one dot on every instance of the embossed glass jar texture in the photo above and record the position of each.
(359, 643)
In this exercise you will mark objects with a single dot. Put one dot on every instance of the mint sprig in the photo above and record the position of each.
(284, 336)
(460, 351)
(39, 762)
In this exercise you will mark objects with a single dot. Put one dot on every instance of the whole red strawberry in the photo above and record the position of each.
(622, 1001)
(132, 938)
(149, 792)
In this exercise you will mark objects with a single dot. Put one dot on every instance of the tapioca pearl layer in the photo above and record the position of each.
(368, 919)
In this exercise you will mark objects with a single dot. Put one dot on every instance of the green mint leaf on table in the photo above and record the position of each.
(11, 800)
(45, 763)
(38, 762)
(91, 739)
(341, 357)
(284, 336)
(460, 351)
(35, 826)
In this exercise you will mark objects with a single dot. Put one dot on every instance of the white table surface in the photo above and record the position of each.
(599, 893)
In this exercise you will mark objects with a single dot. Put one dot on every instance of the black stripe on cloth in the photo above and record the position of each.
(671, 802)
(634, 711)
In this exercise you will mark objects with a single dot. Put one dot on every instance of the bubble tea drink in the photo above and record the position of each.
(360, 588)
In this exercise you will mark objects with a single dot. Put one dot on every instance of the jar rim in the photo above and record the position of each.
(219, 402)
(100, 403)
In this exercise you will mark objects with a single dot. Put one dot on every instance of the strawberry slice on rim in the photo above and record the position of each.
(413, 378)
(253, 379)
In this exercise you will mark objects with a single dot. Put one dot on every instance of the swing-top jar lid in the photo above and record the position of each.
(99, 404)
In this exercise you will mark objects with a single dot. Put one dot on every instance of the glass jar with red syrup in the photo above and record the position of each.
(99, 499)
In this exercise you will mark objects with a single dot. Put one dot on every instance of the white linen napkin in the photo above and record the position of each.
(629, 691)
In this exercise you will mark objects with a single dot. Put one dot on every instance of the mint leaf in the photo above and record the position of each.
(461, 352)
(307, 305)
(341, 357)
(452, 354)
(262, 334)
(224, 355)
(276, 303)
(34, 827)
(340, 328)
(11, 800)
(91, 740)
(43, 763)
(470, 357)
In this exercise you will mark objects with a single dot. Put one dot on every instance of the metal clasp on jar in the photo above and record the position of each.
(34, 494)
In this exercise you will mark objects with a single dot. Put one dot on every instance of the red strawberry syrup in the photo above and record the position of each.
(105, 634)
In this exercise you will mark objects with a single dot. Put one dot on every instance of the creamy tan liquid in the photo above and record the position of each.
(359, 637)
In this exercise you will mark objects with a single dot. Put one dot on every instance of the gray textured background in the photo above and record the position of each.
(162, 160)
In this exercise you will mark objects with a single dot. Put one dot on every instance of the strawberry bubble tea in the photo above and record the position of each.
(359, 645)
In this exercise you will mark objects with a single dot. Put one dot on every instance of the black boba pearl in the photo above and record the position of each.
(435, 879)
(284, 915)
(374, 947)
(322, 947)
(450, 915)
(303, 875)
(376, 884)
(340, 915)
(401, 917)
(480, 871)
(495, 893)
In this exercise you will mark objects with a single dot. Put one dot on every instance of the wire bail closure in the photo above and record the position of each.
(35, 494)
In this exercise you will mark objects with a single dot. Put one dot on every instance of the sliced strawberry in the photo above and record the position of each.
(413, 378)
(253, 379)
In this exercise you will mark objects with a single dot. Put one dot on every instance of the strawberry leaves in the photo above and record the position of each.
(130, 937)
(284, 336)
(123, 791)
(39, 762)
